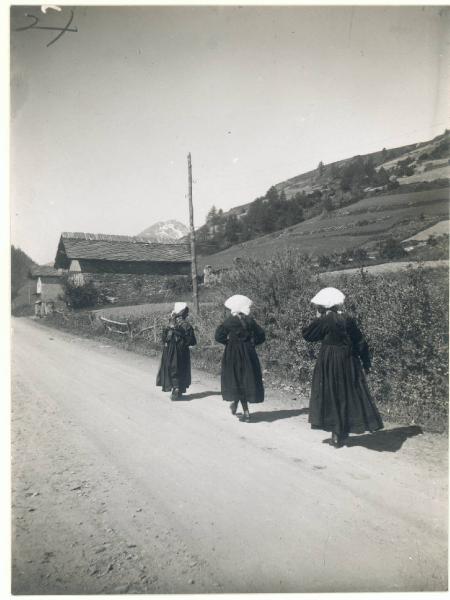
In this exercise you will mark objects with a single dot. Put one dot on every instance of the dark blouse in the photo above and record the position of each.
(179, 331)
(333, 329)
(238, 329)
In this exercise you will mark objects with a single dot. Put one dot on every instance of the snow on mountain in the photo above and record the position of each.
(165, 231)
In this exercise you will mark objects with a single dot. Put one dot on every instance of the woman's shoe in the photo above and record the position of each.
(336, 440)
(233, 407)
(175, 394)
(246, 416)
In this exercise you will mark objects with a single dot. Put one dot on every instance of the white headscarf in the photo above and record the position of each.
(178, 308)
(239, 304)
(328, 297)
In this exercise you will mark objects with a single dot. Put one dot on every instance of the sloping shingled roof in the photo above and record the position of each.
(45, 271)
(97, 246)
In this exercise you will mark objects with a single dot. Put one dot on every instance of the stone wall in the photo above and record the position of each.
(134, 267)
(127, 287)
(51, 291)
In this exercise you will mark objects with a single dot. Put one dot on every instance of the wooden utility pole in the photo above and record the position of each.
(193, 255)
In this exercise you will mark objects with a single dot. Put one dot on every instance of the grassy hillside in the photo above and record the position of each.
(417, 167)
(425, 161)
(363, 224)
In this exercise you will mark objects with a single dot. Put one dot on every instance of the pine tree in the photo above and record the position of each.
(231, 229)
(272, 195)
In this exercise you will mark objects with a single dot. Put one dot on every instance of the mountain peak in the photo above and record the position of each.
(165, 231)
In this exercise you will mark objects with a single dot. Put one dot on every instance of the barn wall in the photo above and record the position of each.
(128, 287)
(50, 291)
(141, 268)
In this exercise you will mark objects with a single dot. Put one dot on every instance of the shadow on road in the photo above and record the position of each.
(389, 440)
(197, 396)
(275, 415)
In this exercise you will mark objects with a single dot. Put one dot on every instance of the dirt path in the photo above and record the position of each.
(117, 489)
(391, 267)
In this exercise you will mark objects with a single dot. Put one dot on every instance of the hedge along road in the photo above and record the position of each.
(117, 489)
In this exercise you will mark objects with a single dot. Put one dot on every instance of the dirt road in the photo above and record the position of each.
(117, 489)
(391, 267)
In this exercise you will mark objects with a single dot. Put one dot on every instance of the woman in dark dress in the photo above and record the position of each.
(174, 373)
(340, 399)
(241, 379)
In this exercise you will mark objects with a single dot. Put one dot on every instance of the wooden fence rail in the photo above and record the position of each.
(125, 328)
(113, 326)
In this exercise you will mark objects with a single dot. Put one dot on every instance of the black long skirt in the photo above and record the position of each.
(241, 377)
(340, 399)
(175, 368)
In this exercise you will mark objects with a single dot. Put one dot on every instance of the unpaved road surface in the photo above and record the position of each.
(117, 489)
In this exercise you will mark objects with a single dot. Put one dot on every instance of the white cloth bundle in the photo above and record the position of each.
(328, 297)
(178, 308)
(239, 304)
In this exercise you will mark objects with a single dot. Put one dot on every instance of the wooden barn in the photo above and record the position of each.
(124, 267)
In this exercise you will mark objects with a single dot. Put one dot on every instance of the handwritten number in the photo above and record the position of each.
(62, 30)
(28, 26)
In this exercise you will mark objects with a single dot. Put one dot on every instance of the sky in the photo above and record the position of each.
(102, 120)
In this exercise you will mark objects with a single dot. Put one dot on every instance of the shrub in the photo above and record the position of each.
(360, 255)
(392, 248)
(324, 261)
(179, 284)
(85, 295)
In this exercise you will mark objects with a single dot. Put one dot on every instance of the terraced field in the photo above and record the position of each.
(364, 223)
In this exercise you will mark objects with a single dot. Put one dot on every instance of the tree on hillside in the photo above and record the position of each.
(202, 234)
(382, 177)
(21, 264)
(294, 212)
(245, 233)
(212, 214)
(334, 170)
(360, 255)
(259, 217)
(327, 203)
(231, 229)
(272, 195)
(320, 169)
(392, 248)
(211, 219)
(369, 168)
(220, 226)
